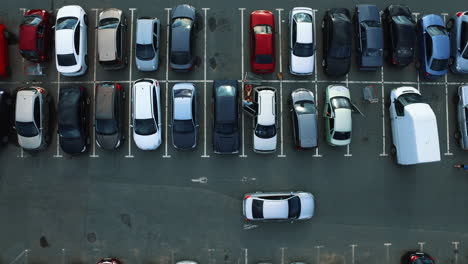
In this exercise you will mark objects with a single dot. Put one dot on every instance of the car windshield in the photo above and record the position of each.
(303, 17)
(225, 128)
(145, 127)
(294, 205)
(402, 20)
(340, 102)
(183, 126)
(410, 98)
(180, 57)
(257, 208)
(404, 52)
(144, 51)
(265, 131)
(439, 65)
(66, 59)
(263, 29)
(341, 135)
(303, 50)
(436, 30)
(182, 22)
(264, 59)
(27, 129)
(67, 131)
(106, 126)
(31, 20)
(66, 23)
(373, 53)
(226, 90)
(305, 107)
(340, 16)
(110, 22)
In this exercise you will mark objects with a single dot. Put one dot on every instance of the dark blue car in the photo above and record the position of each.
(370, 37)
(434, 51)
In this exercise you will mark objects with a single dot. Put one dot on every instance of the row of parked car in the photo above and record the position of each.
(440, 44)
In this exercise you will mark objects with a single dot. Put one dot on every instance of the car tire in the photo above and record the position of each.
(323, 24)
(451, 60)
(48, 99)
(393, 150)
(449, 24)
(86, 60)
(47, 139)
(324, 63)
(457, 135)
(456, 99)
(124, 95)
(86, 21)
(417, 64)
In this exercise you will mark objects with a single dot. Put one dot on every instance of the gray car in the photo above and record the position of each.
(462, 117)
(111, 34)
(458, 28)
(184, 116)
(369, 37)
(183, 18)
(147, 43)
(304, 119)
(108, 115)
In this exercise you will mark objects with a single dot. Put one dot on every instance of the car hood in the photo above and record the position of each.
(149, 142)
(265, 144)
(307, 206)
(226, 143)
(27, 37)
(338, 67)
(108, 142)
(72, 146)
(31, 143)
(302, 65)
(184, 140)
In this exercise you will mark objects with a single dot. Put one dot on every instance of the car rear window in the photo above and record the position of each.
(182, 22)
(439, 65)
(183, 126)
(145, 127)
(257, 208)
(263, 29)
(410, 98)
(144, 51)
(29, 54)
(110, 22)
(436, 30)
(66, 59)
(66, 23)
(294, 205)
(303, 50)
(180, 58)
(263, 59)
(342, 135)
(31, 20)
(68, 131)
(26, 129)
(106, 126)
(303, 17)
(265, 131)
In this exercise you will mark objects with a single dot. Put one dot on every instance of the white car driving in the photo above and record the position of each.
(301, 41)
(71, 41)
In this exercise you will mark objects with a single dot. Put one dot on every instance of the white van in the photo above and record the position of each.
(414, 128)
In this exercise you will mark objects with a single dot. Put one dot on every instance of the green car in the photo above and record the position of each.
(337, 113)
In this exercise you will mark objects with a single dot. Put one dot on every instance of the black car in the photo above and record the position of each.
(181, 40)
(369, 37)
(400, 32)
(337, 41)
(109, 114)
(6, 111)
(226, 135)
(73, 119)
(415, 257)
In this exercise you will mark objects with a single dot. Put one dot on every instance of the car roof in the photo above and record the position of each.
(69, 106)
(263, 44)
(180, 39)
(66, 45)
(28, 37)
(307, 124)
(266, 106)
(144, 34)
(374, 37)
(183, 96)
(440, 47)
(25, 105)
(343, 120)
(143, 100)
(275, 209)
(105, 101)
(107, 44)
(304, 32)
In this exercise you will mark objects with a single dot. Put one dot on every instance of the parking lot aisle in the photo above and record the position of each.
(382, 90)
(57, 154)
(93, 107)
(314, 13)
(348, 151)
(166, 116)
(242, 80)
(447, 153)
(281, 155)
(130, 85)
(205, 9)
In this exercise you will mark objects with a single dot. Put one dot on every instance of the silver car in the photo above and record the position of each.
(147, 43)
(458, 28)
(304, 119)
(111, 34)
(462, 116)
(32, 118)
(278, 206)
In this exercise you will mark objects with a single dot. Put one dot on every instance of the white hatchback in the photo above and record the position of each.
(301, 41)
(71, 41)
(265, 136)
(146, 114)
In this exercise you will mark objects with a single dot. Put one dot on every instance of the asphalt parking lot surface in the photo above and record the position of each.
(167, 205)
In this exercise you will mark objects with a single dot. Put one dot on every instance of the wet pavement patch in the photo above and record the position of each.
(126, 219)
(44, 243)
(91, 237)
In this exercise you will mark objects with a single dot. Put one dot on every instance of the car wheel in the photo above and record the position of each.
(123, 95)
(6, 34)
(449, 24)
(450, 62)
(86, 60)
(126, 60)
(323, 24)
(457, 135)
(324, 63)
(85, 18)
(47, 139)
(456, 99)
(88, 100)
(417, 64)
(393, 150)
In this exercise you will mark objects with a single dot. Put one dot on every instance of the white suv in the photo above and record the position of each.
(146, 114)
(71, 41)
(264, 136)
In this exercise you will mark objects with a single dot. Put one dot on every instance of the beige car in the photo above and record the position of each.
(112, 32)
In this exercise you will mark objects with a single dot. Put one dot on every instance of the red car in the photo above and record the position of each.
(262, 36)
(3, 51)
(35, 35)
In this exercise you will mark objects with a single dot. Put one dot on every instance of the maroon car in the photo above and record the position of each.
(35, 35)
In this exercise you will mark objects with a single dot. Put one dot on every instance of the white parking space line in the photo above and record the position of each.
(57, 154)
(282, 255)
(204, 83)
(246, 256)
(383, 154)
(242, 80)
(348, 152)
(387, 246)
(314, 12)
(96, 10)
(421, 246)
(353, 253)
(130, 66)
(21, 155)
(166, 126)
(282, 155)
(318, 253)
(455, 250)
(417, 71)
(448, 153)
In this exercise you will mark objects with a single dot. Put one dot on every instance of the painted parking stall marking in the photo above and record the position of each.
(447, 153)
(204, 82)
(348, 152)
(455, 250)
(382, 91)
(57, 154)
(93, 155)
(318, 253)
(242, 80)
(387, 249)
(314, 12)
(282, 155)
(130, 84)
(166, 126)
